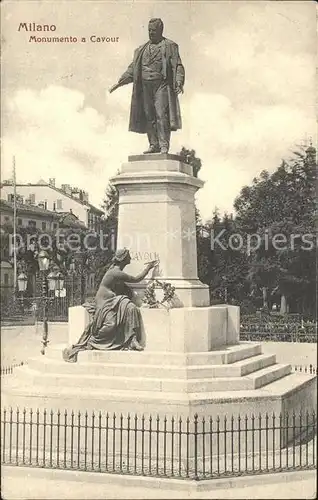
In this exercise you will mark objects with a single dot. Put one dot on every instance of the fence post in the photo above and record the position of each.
(195, 435)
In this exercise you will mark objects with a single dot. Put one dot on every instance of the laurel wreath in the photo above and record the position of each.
(150, 299)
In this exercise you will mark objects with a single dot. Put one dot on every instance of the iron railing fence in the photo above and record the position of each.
(307, 369)
(29, 310)
(19, 308)
(193, 448)
(8, 370)
(279, 331)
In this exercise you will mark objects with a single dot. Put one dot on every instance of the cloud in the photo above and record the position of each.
(55, 134)
(235, 143)
(260, 55)
(55, 131)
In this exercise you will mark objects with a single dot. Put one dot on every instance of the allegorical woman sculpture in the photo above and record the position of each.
(116, 323)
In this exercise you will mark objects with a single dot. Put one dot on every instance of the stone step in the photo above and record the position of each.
(266, 376)
(226, 355)
(237, 369)
(243, 367)
(247, 382)
(19, 392)
(142, 383)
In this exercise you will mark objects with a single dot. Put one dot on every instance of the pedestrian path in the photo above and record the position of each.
(26, 484)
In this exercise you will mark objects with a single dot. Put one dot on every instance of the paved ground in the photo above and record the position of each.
(18, 484)
(295, 353)
(18, 343)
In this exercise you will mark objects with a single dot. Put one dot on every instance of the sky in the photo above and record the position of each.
(249, 95)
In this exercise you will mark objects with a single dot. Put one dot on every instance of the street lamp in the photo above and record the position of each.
(59, 281)
(48, 283)
(51, 281)
(22, 282)
(56, 281)
(44, 263)
(22, 286)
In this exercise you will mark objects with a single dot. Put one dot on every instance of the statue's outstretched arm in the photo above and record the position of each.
(128, 76)
(128, 278)
(125, 78)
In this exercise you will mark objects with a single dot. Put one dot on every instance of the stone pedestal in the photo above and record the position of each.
(78, 318)
(184, 329)
(157, 221)
(190, 329)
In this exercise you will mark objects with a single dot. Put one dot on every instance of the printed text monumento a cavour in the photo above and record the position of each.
(61, 39)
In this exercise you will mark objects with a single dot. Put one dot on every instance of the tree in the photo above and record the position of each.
(110, 205)
(281, 206)
(110, 229)
(189, 156)
(228, 262)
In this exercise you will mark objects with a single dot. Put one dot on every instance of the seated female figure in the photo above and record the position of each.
(116, 324)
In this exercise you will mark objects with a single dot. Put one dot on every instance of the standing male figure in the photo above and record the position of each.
(157, 75)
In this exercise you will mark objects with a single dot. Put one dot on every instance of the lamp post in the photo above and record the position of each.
(79, 262)
(59, 282)
(225, 289)
(56, 281)
(72, 271)
(47, 283)
(44, 263)
(22, 286)
(55, 286)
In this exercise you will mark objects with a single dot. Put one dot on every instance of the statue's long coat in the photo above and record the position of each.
(173, 70)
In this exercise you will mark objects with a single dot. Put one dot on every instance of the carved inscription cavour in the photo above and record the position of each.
(144, 256)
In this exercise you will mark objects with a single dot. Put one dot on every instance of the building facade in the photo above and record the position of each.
(28, 216)
(6, 279)
(65, 199)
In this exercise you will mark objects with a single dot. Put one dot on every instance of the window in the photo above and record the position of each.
(54, 225)
(43, 226)
(19, 222)
(11, 197)
(31, 223)
(90, 220)
(32, 198)
(6, 218)
(59, 204)
(6, 278)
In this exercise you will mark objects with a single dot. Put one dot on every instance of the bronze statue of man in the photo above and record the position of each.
(157, 75)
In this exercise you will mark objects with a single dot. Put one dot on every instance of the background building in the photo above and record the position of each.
(47, 196)
(37, 217)
(6, 281)
(28, 216)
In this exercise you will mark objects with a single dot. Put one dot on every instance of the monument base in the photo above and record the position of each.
(204, 328)
(206, 371)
